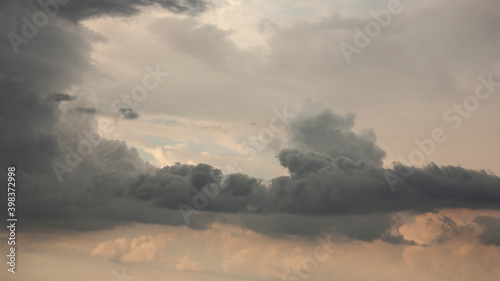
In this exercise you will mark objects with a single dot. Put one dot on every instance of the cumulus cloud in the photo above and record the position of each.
(139, 250)
(188, 263)
(321, 184)
(329, 133)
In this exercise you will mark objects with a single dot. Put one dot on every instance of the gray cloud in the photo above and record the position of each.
(491, 230)
(336, 186)
(27, 122)
(128, 113)
(58, 97)
(80, 10)
(450, 230)
(359, 227)
(87, 110)
(332, 134)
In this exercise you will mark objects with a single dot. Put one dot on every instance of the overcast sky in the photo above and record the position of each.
(229, 139)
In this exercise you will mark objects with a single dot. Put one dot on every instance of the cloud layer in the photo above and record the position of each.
(336, 182)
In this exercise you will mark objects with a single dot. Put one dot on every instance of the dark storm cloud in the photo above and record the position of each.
(491, 230)
(359, 227)
(128, 113)
(27, 124)
(34, 82)
(339, 185)
(83, 9)
(58, 97)
(34, 134)
(324, 194)
(56, 58)
(334, 186)
(398, 240)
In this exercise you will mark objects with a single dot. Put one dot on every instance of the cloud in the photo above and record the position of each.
(111, 250)
(326, 132)
(324, 192)
(354, 194)
(139, 250)
(439, 227)
(319, 184)
(359, 227)
(128, 113)
(491, 232)
(87, 110)
(58, 97)
(30, 141)
(336, 181)
(188, 263)
(187, 36)
(80, 10)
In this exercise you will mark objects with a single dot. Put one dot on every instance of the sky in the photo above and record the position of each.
(251, 140)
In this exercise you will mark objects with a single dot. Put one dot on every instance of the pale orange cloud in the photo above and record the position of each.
(142, 249)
